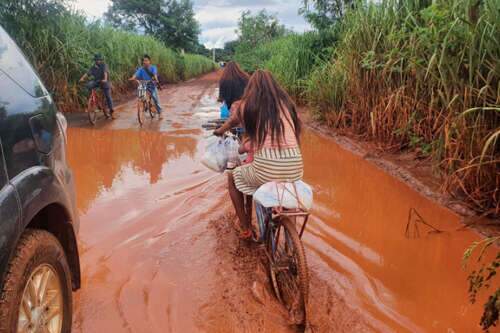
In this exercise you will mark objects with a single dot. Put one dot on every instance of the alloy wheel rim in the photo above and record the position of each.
(41, 308)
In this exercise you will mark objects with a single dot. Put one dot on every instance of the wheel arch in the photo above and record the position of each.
(55, 219)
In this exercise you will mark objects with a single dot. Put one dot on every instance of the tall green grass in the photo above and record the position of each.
(290, 58)
(61, 43)
(195, 64)
(412, 75)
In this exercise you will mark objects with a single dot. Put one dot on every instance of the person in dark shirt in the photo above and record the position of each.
(99, 73)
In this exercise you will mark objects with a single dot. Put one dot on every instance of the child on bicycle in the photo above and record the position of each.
(99, 73)
(148, 72)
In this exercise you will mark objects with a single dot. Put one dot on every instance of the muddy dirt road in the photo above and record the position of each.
(159, 252)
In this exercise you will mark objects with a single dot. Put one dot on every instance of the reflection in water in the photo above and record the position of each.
(141, 196)
(145, 151)
(358, 231)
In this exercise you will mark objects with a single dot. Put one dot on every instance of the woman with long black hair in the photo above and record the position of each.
(232, 84)
(272, 125)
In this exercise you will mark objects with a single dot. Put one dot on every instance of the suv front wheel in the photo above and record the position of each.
(36, 296)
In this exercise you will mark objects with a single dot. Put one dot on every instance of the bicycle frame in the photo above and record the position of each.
(265, 216)
(96, 99)
(144, 94)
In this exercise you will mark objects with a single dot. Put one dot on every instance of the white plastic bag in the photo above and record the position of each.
(276, 194)
(215, 157)
(232, 145)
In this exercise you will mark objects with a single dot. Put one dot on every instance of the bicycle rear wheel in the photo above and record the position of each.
(106, 112)
(141, 112)
(288, 268)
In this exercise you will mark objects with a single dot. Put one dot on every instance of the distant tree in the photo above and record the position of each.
(181, 28)
(258, 28)
(202, 50)
(171, 21)
(227, 52)
(230, 47)
(323, 14)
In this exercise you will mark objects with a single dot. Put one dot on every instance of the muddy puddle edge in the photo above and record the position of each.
(487, 227)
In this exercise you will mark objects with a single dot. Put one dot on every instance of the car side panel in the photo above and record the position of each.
(34, 159)
(38, 187)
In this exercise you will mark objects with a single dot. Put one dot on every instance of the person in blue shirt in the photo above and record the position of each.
(149, 72)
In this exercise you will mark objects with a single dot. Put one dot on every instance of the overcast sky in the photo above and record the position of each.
(218, 18)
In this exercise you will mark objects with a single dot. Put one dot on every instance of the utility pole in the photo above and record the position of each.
(213, 54)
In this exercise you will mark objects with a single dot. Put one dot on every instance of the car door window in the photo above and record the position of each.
(14, 64)
(43, 128)
(16, 107)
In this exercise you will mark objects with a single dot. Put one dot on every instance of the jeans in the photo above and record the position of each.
(154, 96)
(106, 89)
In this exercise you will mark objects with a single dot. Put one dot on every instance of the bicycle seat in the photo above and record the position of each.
(293, 195)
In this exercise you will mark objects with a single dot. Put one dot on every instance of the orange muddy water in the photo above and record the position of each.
(159, 251)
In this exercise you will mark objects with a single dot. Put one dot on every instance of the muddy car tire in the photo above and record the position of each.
(36, 249)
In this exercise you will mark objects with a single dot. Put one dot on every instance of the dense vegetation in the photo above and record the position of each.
(60, 44)
(483, 278)
(411, 75)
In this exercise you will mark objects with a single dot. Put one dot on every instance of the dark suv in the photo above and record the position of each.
(39, 265)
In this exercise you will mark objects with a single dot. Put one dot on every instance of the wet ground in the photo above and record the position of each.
(159, 252)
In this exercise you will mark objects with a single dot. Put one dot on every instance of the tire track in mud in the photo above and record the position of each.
(237, 308)
(119, 307)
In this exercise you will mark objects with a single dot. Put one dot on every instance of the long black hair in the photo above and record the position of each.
(263, 103)
(232, 83)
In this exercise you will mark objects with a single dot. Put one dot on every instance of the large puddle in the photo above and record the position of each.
(406, 281)
(146, 259)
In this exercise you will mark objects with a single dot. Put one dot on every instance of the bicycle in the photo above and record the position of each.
(278, 228)
(96, 103)
(280, 231)
(144, 103)
(216, 123)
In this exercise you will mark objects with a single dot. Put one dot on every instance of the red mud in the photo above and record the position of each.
(159, 252)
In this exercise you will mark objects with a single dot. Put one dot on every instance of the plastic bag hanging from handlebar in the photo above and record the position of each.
(215, 156)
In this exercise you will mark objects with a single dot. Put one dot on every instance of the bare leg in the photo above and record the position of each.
(238, 202)
(248, 208)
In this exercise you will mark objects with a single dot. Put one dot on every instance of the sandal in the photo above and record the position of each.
(245, 234)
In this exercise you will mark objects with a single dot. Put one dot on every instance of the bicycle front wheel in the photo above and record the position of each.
(92, 110)
(141, 112)
(288, 268)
